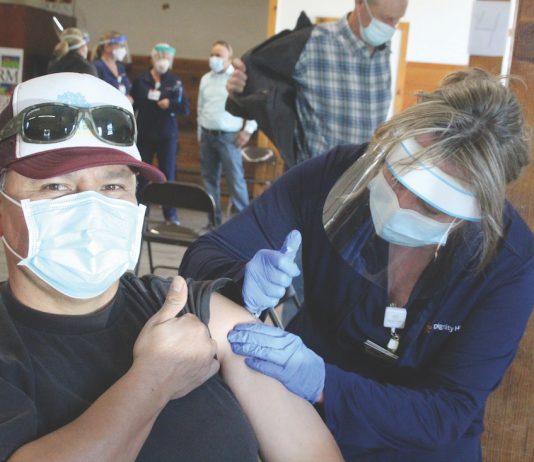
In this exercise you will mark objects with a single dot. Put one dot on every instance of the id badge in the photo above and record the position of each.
(122, 89)
(395, 317)
(154, 95)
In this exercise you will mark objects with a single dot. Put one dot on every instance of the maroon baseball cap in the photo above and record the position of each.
(81, 150)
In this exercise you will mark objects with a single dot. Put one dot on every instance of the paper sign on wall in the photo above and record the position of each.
(489, 28)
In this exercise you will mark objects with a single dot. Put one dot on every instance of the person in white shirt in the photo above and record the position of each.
(221, 134)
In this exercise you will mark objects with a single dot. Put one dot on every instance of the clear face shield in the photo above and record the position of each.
(389, 213)
(119, 45)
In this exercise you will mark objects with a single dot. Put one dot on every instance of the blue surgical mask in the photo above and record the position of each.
(402, 226)
(377, 32)
(216, 64)
(80, 244)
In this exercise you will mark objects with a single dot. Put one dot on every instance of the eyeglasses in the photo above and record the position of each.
(54, 122)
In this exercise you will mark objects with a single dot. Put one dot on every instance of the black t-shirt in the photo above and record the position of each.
(53, 367)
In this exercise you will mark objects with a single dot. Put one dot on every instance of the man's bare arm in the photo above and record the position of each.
(287, 427)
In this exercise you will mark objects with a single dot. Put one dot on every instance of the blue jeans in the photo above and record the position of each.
(165, 149)
(218, 152)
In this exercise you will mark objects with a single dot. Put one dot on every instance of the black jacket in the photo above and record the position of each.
(72, 62)
(269, 96)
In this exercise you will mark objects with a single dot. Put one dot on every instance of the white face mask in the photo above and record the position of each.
(377, 32)
(80, 244)
(162, 66)
(119, 53)
(402, 226)
(216, 64)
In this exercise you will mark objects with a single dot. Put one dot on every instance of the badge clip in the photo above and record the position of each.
(394, 318)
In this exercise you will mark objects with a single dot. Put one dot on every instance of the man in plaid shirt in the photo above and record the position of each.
(342, 78)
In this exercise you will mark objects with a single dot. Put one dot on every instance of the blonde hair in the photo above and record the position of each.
(97, 50)
(70, 38)
(477, 124)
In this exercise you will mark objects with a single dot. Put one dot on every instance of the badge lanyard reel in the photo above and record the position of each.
(353, 233)
(349, 227)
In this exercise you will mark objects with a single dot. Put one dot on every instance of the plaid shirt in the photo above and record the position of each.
(343, 91)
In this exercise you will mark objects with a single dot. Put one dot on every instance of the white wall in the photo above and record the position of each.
(288, 11)
(189, 25)
(439, 29)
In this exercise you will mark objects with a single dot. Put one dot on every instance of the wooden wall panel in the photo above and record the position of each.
(423, 77)
(190, 71)
(491, 64)
(509, 435)
(400, 85)
(31, 29)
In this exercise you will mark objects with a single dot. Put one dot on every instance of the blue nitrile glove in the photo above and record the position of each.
(281, 355)
(269, 273)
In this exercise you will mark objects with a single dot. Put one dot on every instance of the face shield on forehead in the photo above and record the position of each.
(395, 199)
(163, 50)
(437, 188)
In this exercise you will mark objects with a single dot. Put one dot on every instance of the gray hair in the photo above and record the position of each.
(477, 124)
(226, 45)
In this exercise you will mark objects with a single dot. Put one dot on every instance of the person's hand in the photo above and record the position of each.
(242, 138)
(281, 355)
(164, 103)
(269, 273)
(238, 80)
(178, 353)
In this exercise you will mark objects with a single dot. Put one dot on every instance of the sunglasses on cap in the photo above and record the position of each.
(55, 122)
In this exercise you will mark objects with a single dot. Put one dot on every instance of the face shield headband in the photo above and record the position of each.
(81, 41)
(164, 49)
(118, 40)
(437, 188)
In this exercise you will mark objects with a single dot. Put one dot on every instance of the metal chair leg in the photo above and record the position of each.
(150, 262)
(274, 318)
(136, 269)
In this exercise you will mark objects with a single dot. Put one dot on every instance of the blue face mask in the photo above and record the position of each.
(80, 244)
(377, 32)
(216, 64)
(402, 226)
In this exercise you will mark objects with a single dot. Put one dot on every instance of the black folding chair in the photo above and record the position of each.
(180, 195)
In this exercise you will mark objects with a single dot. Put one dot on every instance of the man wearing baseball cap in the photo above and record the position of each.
(95, 363)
